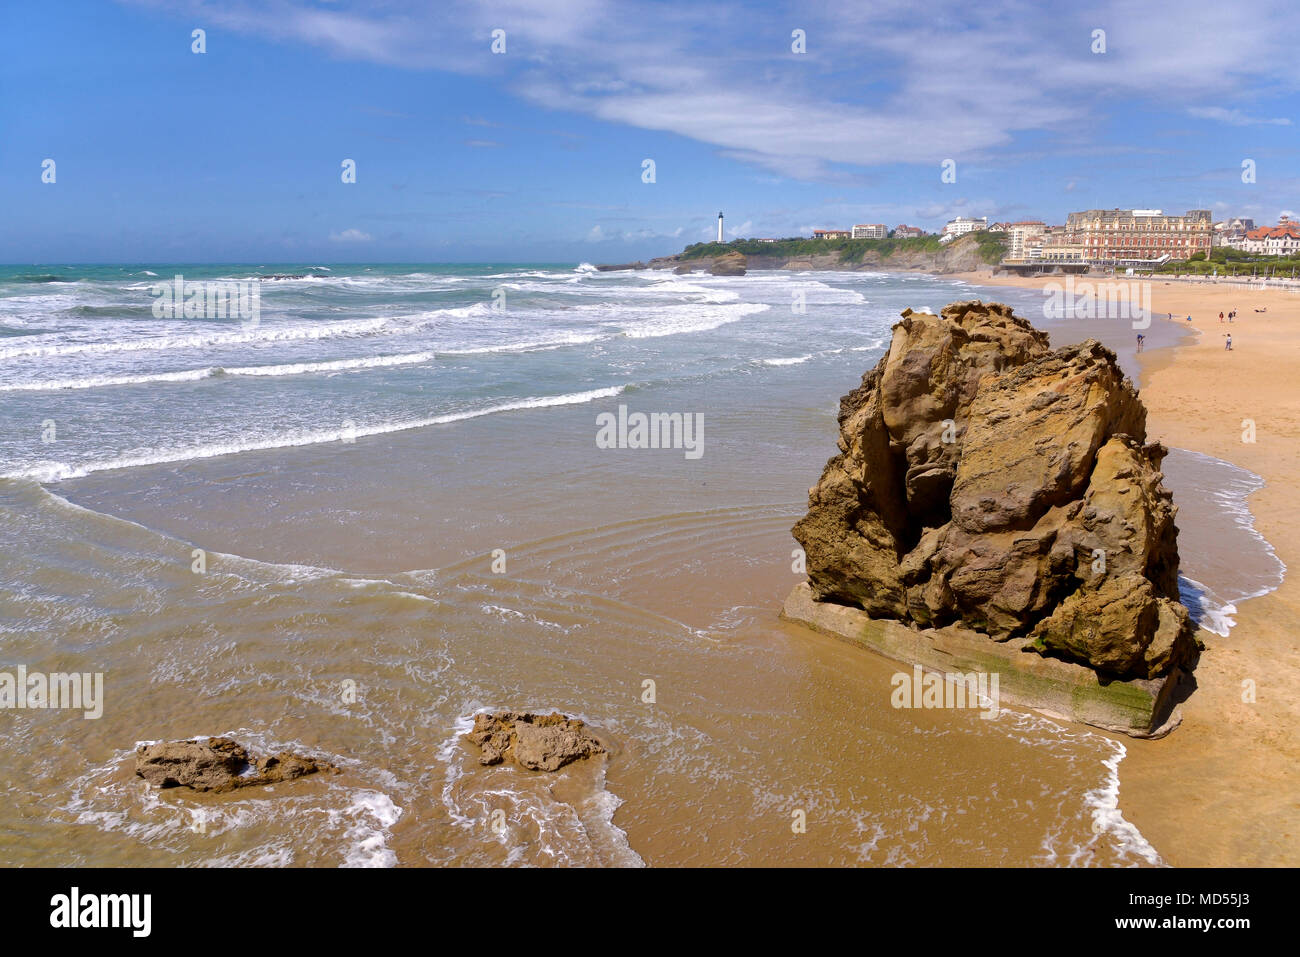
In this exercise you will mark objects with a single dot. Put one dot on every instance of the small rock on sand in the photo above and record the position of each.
(218, 764)
(536, 742)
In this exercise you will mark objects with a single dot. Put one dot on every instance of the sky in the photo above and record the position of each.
(786, 117)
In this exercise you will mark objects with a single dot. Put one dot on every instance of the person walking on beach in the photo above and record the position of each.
(1228, 344)
(1141, 339)
(1221, 317)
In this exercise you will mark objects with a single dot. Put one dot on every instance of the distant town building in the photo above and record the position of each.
(1054, 246)
(1232, 232)
(1021, 237)
(764, 240)
(1062, 253)
(871, 231)
(965, 224)
(832, 234)
(1280, 240)
(908, 232)
(1139, 235)
(1238, 224)
(999, 227)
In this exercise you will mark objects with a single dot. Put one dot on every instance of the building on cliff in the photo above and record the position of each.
(965, 224)
(870, 231)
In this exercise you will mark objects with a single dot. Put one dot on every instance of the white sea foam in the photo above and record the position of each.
(95, 382)
(372, 814)
(527, 345)
(698, 319)
(538, 827)
(191, 375)
(260, 335)
(1106, 815)
(60, 471)
(1101, 802)
(1214, 606)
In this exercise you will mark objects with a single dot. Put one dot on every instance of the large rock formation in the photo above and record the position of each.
(729, 264)
(987, 481)
(536, 742)
(218, 764)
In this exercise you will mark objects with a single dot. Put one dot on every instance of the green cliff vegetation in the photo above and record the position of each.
(992, 247)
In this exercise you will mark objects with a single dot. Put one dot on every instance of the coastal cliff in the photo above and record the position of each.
(991, 486)
(968, 253)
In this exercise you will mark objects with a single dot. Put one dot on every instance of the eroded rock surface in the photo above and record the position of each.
(987, 480)
(536, 742)
(729, 264)
(218, 764)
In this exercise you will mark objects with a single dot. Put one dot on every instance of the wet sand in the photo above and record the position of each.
(1224, 789)
(624, 565)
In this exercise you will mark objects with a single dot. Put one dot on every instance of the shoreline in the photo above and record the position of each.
(529, 504)
(1232, 760)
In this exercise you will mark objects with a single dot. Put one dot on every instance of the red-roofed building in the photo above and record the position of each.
(1280, 240)
(908, 232)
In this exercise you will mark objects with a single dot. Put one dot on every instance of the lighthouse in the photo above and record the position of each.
(719, 225)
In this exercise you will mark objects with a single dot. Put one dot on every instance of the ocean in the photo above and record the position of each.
(347, 523)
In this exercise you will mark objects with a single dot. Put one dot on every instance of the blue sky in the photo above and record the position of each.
(535, 154)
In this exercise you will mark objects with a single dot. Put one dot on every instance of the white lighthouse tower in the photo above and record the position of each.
(719, 225)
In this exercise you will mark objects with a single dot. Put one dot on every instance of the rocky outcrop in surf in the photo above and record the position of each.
(989, 482)
(219, 764)
(535, 742)
(729, 264)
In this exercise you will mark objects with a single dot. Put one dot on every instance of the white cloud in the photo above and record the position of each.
(350, 236)
(880, 84)
(1234, 117)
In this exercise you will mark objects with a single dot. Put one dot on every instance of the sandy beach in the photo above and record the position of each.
(1224, 789)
